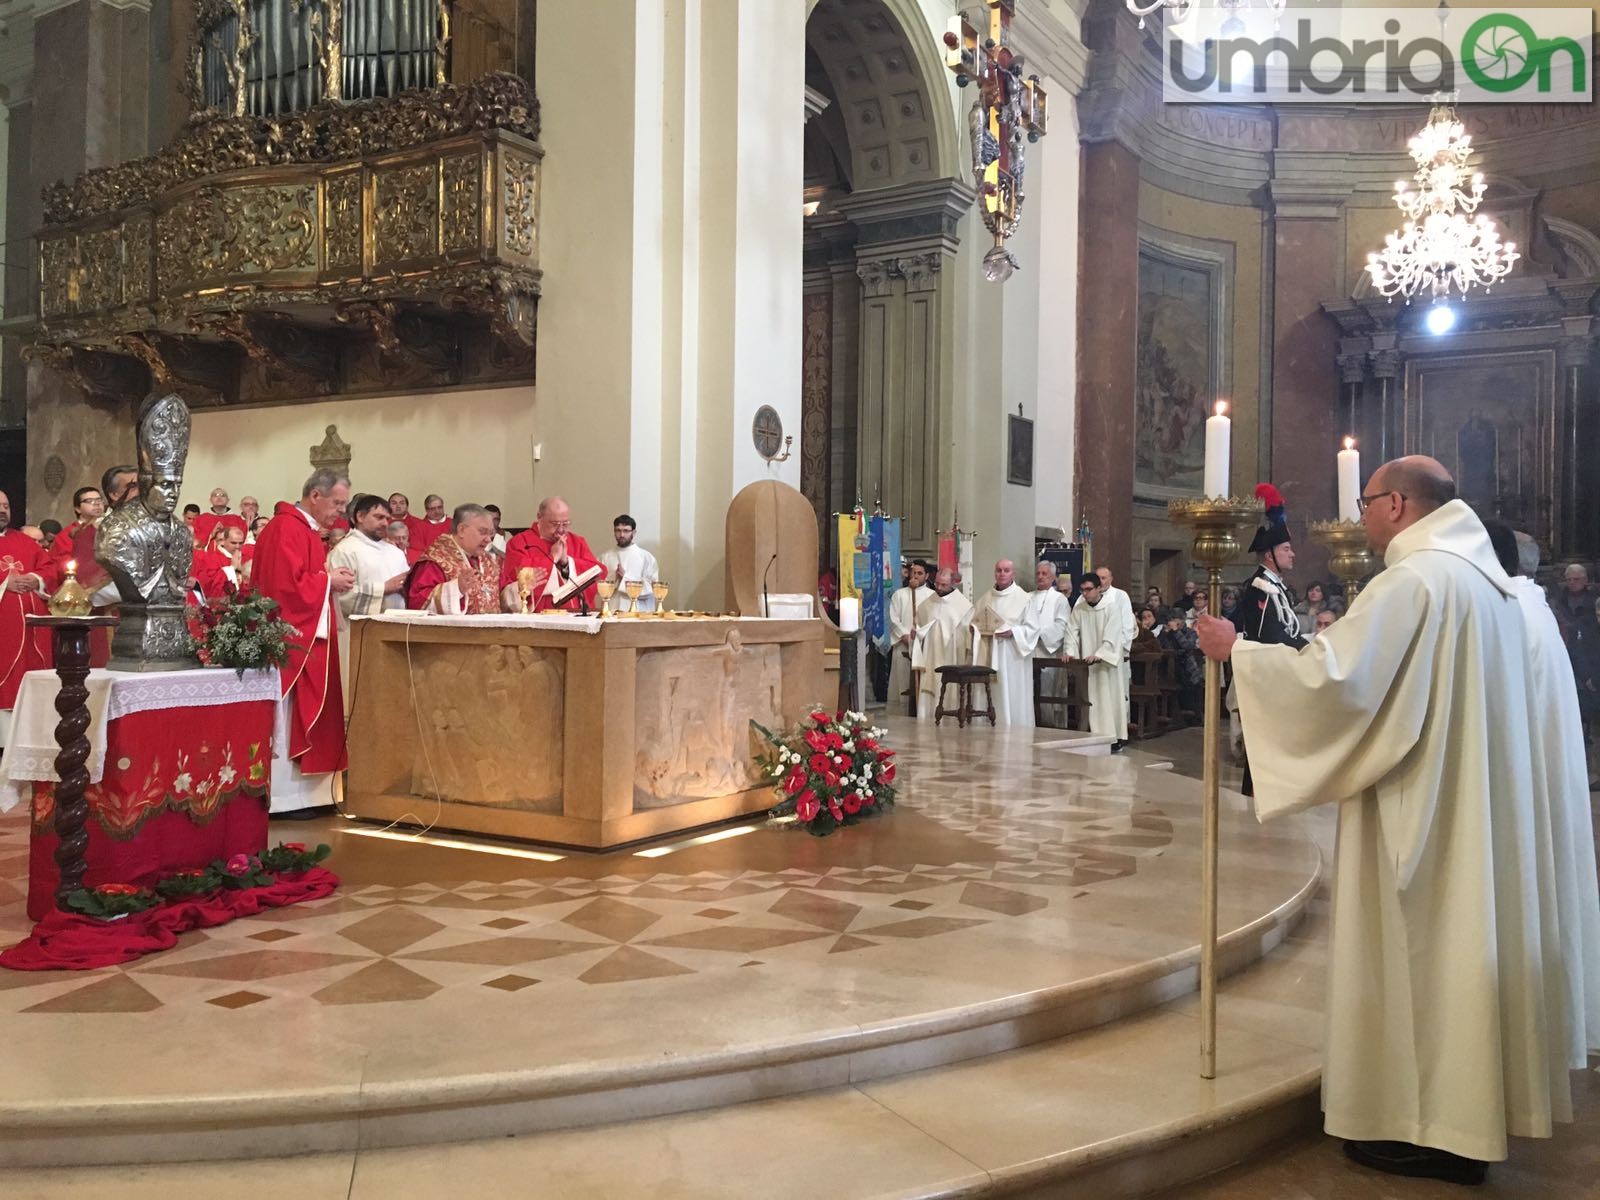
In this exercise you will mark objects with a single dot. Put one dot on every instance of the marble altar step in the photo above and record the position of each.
(1109, 1113)
(399, 1111)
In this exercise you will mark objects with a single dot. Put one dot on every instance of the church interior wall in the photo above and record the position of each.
(469, 447)
(1235, 234)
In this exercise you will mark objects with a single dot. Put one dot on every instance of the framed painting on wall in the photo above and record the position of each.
(1179, 364)
(1019, 450)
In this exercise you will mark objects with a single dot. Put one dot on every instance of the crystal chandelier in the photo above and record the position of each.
(1442, 245)
(1180, 10)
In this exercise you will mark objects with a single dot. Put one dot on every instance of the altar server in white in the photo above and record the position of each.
(903, 605)
(942, 637)
(1038, 633)
(1101, 635)
(1557, 738)
(1445, 980)
(995, 619)
(380, 571)
(629, 560)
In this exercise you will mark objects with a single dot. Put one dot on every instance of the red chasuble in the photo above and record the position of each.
(424, 532)
(64, 547)
(211, 574)
(445, 561)
(93, 577)
(206, 523)
(528, 549)
(290, 567)
(20, 649)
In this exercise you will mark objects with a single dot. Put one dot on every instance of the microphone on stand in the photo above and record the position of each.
(766, 601)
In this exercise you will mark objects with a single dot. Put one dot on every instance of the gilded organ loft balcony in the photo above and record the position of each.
(352, 208)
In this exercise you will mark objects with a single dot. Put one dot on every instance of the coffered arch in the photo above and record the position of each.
(891, 89)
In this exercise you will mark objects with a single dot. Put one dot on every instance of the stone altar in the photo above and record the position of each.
(570, 730)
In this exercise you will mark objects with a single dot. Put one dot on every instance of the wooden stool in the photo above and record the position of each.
(964, 678)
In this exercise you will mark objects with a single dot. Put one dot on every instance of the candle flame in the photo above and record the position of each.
(1349, 443)
(72, 564)
(1222, 408)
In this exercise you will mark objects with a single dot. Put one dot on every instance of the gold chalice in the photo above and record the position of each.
(607, 588)
(634, 588)
(525, 586)
(660, 589)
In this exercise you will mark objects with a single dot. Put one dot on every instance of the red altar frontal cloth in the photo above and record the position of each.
(180, 788)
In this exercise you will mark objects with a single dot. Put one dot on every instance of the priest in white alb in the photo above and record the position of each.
(1446, 1027)
(1101, 634)
(941, 639)
(903, 605)
(380, 575)
(1557, 738)
(1002, 641)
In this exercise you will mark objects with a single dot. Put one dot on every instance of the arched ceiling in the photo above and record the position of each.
(897, 118)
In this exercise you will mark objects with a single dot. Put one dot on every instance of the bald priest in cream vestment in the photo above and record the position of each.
(1447, 986)
(941, 638)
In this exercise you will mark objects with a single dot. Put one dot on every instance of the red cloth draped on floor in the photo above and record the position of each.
(179, 788)
(290, 566)
(22, 650)
(528, 549)
(64, 941)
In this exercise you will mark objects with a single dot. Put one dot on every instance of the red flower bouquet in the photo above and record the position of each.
(831, 771)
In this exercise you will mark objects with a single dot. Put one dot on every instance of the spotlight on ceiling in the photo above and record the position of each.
(1441, 319)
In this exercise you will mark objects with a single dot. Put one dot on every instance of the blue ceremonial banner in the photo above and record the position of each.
(874, 611)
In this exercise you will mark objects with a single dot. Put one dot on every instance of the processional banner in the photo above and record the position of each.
(883, 552)
(855, 565)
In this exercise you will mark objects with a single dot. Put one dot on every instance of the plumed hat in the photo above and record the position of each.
(1276, 531)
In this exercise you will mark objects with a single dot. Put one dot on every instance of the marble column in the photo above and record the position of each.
(1580, 421)
(675, 298)
(905, 241)
(1306, 420)
(89, 108)
(1386, 363)
(1107, 334)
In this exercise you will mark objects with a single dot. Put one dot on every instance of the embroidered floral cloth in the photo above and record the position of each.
(179, 789)
(31, 751)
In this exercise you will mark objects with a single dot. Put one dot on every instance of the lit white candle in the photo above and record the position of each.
(1349, 481)
(849, 614)
(1219, 438)
(72, 566)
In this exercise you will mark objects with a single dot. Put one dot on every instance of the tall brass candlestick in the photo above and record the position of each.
(1350, 558)
(1218, 528)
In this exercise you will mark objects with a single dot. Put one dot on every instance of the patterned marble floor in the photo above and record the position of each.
(1008, 866)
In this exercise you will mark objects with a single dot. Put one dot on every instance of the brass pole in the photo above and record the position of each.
(1217, 523)
(1209, 832)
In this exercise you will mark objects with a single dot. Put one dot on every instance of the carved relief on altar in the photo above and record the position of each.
(515, 698)
(405, 213)
(692, 712)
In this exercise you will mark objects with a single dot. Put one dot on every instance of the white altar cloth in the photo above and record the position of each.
(31, 753)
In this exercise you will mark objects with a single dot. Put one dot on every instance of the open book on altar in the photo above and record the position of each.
(558, 590)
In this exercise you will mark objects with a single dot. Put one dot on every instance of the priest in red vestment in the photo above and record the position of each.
(219, 568)
(30, 575)
(290, 567)
(550, 548)
(461, 559)
(431, 525)
(88, 506)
